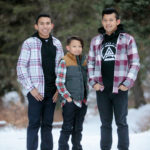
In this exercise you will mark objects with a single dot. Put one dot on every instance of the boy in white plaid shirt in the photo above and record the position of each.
(36, 70)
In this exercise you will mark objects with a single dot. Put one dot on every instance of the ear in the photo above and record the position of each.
(118, 21)
(36, 27)
(102, 22)
(52, 26)
(67, 48)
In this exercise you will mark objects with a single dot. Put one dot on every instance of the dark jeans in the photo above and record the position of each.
(109, 103)
(40, 114)
(72, 125)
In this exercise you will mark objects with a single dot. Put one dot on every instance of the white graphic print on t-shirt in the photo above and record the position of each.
(108, 51)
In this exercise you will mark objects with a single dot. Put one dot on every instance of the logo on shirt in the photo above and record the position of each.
(108, 52)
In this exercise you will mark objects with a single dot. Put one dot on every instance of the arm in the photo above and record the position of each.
(60, 81)
(91, 68)
(91, 65)
(59, 54)
(23, 73)
(134, 65)
(22, 67)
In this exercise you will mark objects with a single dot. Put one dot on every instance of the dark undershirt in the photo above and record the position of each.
(108, 60)
(48, 54)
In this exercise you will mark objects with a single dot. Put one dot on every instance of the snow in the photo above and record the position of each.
(11, 97)
(15, 139)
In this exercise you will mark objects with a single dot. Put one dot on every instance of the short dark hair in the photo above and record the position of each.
(69, 39)
(42, 15)
(110, 11)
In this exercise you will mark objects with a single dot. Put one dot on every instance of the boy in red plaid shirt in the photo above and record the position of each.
(71, 83)
(113, 64)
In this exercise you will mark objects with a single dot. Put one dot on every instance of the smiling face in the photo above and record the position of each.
(75, 47)
(44, 27)
(110, 23)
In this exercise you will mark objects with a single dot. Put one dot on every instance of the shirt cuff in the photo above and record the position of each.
(66, 96)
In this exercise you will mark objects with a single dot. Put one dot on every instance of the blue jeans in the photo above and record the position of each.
(40, 114)
(109, 103)
(72, 125)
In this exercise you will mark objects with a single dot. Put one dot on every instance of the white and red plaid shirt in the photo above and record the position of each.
(126, 64)
(29, 66)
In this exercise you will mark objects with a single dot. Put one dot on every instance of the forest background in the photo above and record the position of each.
(71, 17)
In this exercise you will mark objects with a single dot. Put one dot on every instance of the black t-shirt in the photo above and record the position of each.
(108, 54)
(48, 54)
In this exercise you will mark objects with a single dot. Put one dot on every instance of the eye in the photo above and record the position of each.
(48, 23)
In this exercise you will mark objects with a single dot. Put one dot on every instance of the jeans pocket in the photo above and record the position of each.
(28, 94)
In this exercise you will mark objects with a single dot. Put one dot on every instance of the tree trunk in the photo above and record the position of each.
(138, 93)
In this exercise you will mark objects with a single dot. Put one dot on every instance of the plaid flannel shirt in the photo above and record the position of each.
(126, 64)
(60, 83)
(61, 79)
(29, 66)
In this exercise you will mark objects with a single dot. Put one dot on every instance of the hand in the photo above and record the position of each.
(123, 88)
(97, 87)
(69, 99)
(55, 97)
(34, 92)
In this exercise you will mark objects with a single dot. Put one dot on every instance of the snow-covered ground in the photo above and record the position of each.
(15, 139)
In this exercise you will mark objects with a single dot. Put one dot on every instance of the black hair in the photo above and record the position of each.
(75, 38)
(110, 11)
(42, 15)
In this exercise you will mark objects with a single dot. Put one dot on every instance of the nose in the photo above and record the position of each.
(44, 26)
(108, 22)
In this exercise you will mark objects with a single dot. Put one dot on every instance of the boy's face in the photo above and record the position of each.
(110, 23)
(44, 27)
(74, 47)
